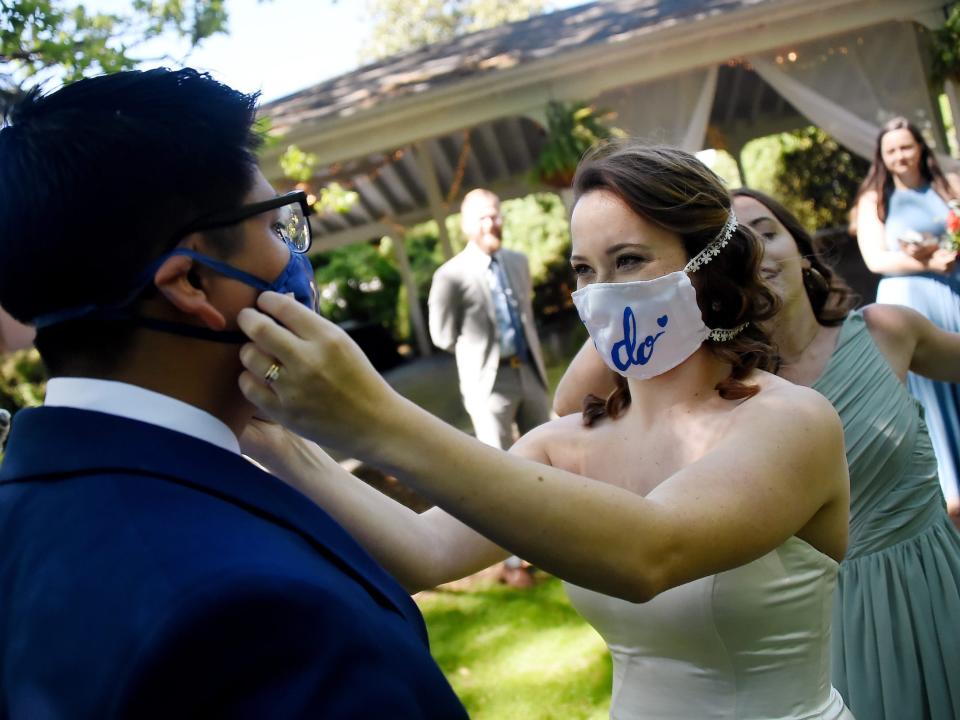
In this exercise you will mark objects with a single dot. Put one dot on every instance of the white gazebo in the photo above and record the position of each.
(412, 133)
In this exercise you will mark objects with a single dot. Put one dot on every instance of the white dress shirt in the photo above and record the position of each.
(137, 403)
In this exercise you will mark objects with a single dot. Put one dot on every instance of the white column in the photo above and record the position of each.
(417, 321)
(434, 196)
(953, 98)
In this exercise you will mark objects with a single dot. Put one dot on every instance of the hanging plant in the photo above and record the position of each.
(572, 129)
(946, 49)
(300, 166)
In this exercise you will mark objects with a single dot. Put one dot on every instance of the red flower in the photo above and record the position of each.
(953, 222)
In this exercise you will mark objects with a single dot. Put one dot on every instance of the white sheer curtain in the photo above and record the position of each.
(673, 110)
(851, 84)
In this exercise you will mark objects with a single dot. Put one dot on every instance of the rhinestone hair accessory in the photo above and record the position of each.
(724, 334)
(715, 246)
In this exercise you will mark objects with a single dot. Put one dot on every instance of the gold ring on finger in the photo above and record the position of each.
(272, 373)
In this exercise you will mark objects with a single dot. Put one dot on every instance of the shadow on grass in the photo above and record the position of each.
(518, 653)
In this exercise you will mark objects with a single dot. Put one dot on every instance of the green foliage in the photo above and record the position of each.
(336, 198)
(358, 282)
(40, 39)
(401, 25)
(362, 282)
(948, 125)
(23, 380)
(945, 42)
(815, 177)
(263, 126)
(518, 653)
(724, 165)
(423, 249)
(537, 226)
(760, 157)
(572, 129)
(298, 165)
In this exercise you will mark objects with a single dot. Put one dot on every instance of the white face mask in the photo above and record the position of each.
(644, 328)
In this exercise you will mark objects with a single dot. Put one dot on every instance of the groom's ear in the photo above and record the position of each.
(179, 282)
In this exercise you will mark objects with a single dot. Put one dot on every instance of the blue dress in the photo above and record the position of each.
(938, 298)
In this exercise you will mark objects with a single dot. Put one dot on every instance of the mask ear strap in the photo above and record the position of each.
(223, 268)
(717, 244)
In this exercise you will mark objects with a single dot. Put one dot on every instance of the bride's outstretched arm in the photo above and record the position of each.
(421, 550)
(780, 469)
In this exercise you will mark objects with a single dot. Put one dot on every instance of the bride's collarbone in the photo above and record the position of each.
(640, 456)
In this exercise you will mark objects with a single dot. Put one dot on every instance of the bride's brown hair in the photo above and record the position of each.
(672, 189)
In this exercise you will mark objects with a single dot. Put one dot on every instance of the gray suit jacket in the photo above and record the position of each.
(463, 320)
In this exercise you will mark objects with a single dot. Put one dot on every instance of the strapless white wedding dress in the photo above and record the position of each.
(752, 643)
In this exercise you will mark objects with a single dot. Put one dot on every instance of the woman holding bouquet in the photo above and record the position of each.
(902, 214)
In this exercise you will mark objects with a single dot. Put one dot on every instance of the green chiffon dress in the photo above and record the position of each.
(896, 615)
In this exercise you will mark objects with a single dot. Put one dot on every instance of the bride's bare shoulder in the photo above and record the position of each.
(785, 399)
(545, 440)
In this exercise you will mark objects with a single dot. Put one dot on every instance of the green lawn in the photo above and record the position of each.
(518, 653)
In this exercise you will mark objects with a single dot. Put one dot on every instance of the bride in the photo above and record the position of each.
(697, 515)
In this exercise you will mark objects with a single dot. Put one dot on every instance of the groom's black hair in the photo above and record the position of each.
(96, 179)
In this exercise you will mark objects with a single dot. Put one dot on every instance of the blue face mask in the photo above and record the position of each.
(296, 279)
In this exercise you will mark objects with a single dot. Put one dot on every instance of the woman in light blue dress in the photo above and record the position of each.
(901, 216)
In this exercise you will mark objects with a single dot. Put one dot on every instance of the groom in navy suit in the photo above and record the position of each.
(146, 568)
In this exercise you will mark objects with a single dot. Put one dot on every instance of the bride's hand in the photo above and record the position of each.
(298, 462)
(325, 387)
(268, 443)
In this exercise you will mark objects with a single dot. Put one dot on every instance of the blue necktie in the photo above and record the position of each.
(509, 300)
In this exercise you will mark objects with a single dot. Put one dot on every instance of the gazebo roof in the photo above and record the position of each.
(489, 51)
(413, 132)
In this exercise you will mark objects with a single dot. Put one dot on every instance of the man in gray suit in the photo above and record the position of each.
(480, 309)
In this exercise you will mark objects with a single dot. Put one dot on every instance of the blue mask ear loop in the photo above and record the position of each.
(222, 268)
(230, 337)
(121, 310)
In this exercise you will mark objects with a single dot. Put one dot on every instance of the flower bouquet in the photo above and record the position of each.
(951, 240)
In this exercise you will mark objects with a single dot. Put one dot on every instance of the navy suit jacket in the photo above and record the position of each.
(145, 573)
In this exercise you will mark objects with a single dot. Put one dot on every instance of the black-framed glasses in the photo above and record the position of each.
(291, 226)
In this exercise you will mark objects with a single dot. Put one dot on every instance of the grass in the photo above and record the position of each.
(518, 653)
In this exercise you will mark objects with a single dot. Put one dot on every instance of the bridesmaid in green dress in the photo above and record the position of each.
(896, 615)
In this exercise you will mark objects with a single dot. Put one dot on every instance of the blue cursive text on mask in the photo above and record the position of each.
(635, 354)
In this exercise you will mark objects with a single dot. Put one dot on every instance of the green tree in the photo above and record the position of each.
(814, 176)
(43, 39)
(401, 25)
(536, 225)
(572, 129)
(362, 282)
(358, 282)
(23, 380)
(945, 46)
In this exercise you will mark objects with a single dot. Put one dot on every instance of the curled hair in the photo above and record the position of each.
(674, 190)
(830, 296)
(880, 180)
